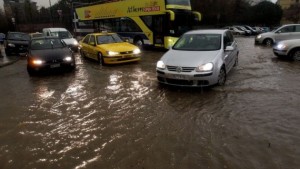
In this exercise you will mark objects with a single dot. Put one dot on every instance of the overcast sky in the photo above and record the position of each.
(46, 3)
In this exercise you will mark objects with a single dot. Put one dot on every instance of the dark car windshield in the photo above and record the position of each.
(40, 44)
(18, 36)
(62, 34)
(104, 39)
(199, 42)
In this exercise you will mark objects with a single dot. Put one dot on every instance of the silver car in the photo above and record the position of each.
(285, 32)
(199, 58)
(288, 48)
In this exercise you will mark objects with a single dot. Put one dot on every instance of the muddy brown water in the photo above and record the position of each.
(118, 117)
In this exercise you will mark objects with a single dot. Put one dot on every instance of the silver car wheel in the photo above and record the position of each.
(269, 42)
(222, 77)
(296, 55)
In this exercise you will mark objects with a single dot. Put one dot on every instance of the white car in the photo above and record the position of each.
(199, 58)
(288, 48)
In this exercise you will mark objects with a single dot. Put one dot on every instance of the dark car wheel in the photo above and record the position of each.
(7, 53)
(268, 42)
(30, 71)
(296, 55)
(100, 59)
(222, 77)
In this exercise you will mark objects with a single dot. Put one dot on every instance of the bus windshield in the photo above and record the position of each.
(178, 2)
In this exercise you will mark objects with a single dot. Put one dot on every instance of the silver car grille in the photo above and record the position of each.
(181, 69)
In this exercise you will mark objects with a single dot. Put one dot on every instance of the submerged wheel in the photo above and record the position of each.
(268, 42)
(100, 59)
(222, 77)
(296, 55)
(139, 42)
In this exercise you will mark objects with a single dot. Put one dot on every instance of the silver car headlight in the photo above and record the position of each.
(205, 67)
(281, 46)
(11, 45)
(68, 59)
(258, 36)
(160, 65)
(75, 42)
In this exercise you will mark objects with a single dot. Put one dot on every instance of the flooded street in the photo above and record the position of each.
(119, 117)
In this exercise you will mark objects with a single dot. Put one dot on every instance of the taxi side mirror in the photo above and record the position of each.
(92, 43)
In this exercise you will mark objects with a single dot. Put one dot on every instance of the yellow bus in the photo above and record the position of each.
(143, 22)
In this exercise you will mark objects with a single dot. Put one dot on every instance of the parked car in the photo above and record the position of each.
(241, 28)
(252, 30)
(36, 35)
(16, 42)
(49, 53)
(108, 48)
(199, 58)
(285, 32)
(235, 31)
(63, 34)
(288, 48)
(2, 37)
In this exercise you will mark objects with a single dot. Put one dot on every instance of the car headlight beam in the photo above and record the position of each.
(160, 65)
(37, 62)
(205, 67)
(111, 53)
(137, 51)
(68, 58)
(281, 46)
(258, 36)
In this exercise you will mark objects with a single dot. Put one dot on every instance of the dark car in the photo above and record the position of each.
(49, 53)
(16, 42)
(2, 37)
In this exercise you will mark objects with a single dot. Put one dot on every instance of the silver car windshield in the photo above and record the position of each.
(199, 42)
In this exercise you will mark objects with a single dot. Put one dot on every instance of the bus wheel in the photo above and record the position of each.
(100, 59)
(139, 42)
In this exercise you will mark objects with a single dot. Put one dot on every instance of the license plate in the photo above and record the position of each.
(180, 77)
(54, 65)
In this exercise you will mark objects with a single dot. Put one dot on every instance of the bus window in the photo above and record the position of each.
(128, 25)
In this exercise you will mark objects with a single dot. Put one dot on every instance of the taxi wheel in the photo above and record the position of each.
(222, 77)
(100, 59)
(82, 53)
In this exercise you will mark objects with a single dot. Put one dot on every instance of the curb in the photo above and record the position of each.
(9, 62)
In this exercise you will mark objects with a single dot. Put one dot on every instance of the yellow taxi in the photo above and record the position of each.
(108, 48)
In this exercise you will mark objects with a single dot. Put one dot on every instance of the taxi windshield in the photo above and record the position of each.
(105, 39)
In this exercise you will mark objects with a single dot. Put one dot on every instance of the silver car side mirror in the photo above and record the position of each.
(229, 48)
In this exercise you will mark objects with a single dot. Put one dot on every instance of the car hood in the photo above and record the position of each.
(70, 41)
(291, 42)
(118, 47)
(189, 58)
(48, 54)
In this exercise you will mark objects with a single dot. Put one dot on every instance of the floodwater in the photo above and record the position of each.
(119, 117)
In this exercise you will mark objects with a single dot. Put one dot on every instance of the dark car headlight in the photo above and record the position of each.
(37, 62)
(11, 45)
(68, 59)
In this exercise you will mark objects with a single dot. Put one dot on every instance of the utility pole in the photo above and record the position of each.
(51, 13)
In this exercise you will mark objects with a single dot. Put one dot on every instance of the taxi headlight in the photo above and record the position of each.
(160, 65)
(68, 58)
(281, 46)
(11, 45)
(110, 53)
(205, 68)
(137, 51)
